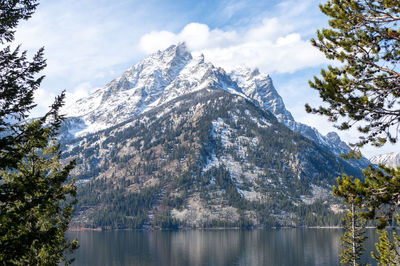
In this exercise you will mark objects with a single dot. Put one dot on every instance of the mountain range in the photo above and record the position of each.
(178, 142)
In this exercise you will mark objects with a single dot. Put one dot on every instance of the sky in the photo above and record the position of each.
(90, 42)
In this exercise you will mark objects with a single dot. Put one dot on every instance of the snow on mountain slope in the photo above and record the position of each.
(259, 87)
(168, 74)
(157, 79)
(388, 159)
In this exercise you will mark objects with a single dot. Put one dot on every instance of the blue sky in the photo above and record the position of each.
(90, 42)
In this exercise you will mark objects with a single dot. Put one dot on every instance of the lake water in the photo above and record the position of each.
(212, 247)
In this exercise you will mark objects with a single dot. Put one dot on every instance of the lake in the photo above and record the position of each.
(212, 247)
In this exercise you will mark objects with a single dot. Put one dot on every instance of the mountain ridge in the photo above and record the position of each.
(177, 142)
(167, 74)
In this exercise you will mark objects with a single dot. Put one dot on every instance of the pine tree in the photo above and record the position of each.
(377, 197)
(382, 193)
(37, 205)
(36, 198)
(354, 236)
(388, 251)
(364, 35)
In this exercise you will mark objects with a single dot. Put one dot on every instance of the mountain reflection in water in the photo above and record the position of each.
(212, 247)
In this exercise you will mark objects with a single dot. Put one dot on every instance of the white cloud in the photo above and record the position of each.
(270, 29)
(44, 98)
(271, 46)
(79, 92)
(157, 40)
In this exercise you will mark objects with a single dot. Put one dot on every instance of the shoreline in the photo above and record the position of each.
(82, 229)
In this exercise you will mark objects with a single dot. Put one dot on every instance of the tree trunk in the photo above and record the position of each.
(353, 232)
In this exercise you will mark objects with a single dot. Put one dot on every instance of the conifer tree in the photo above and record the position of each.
(36, 200)
(388, 251)
(381, 189)
(354, 237)
(364, 90)
(364, 36)
(377, 197)
(18, 80)
(36, 204)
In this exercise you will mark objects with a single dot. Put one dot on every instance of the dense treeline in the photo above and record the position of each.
(118, 208)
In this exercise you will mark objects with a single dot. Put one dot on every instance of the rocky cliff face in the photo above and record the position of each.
(176, 141)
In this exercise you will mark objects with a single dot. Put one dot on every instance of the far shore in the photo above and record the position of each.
(77, 229)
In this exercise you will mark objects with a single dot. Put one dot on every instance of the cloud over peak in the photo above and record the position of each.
(272, 46)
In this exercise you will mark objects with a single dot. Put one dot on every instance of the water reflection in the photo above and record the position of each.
(211, 247)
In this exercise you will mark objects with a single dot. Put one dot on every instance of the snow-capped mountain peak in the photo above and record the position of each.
(139, 88)
(174, 72)
(259, 87)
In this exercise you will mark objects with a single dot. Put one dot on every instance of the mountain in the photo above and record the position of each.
(168, 74)
(148, 84)
(176, 141)
(388, 159)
